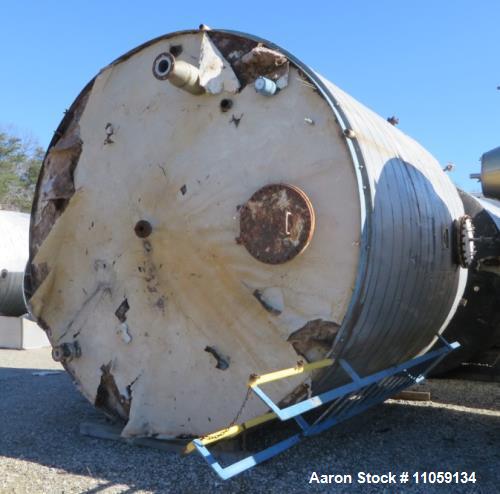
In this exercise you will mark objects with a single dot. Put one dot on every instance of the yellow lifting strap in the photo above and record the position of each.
(255, 380)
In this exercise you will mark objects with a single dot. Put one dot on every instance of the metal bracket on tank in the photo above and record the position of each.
(343, 402)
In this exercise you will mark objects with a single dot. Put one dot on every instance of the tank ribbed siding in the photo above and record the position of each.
(405, 289)
(412, 286)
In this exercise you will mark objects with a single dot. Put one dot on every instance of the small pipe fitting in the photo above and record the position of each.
(265, 86)
(349, 133)
(179, 73)
(66, 352)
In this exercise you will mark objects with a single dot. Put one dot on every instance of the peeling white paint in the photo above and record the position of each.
(216, 75)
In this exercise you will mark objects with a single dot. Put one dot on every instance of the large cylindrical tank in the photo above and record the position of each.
(211, 208)
(490, 173)
(476, 324)
(13, 257)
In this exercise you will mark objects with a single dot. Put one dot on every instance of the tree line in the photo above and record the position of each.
(20, 162)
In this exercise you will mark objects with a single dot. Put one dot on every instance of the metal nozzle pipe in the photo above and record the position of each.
(179, 73)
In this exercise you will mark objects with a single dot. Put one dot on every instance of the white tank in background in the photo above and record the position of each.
(14, 228)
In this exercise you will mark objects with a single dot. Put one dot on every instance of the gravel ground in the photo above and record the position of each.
(41, 450)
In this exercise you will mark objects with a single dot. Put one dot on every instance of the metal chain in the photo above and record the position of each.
(243, 405)
(237, 416)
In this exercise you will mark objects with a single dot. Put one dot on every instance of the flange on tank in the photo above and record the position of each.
(210, 208)
(476, 324)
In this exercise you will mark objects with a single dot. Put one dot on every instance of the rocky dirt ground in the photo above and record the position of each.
(42, 451)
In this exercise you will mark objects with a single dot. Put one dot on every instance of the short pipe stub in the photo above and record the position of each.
(163, 66)
(265, 86)
(66, 352)
(178, 72)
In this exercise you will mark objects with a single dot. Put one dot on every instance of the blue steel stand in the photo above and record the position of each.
(344, 402)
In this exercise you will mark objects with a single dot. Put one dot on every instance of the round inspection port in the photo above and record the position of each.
(276, 223)
(143, 228)
(162, 65)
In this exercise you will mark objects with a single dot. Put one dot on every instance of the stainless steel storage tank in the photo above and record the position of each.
(490, 173)
(13, 257)
(210, 208)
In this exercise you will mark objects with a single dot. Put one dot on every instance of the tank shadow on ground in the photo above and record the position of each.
(40, 424)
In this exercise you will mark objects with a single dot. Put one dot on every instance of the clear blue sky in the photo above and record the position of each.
(434, 64)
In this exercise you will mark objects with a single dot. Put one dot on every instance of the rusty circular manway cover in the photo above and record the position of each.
(276, 223)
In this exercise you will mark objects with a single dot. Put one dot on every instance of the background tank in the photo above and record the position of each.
(13, 257)
(490, 173)
(210, 208)
(476, 324)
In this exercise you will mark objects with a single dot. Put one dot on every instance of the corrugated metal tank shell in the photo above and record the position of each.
(13, 257)
(409, 286)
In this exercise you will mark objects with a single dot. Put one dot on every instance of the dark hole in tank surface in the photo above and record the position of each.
(143, 228)
(176, 50)
(226, 104)
(59, 204)
(122, 310)
(163, 66)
